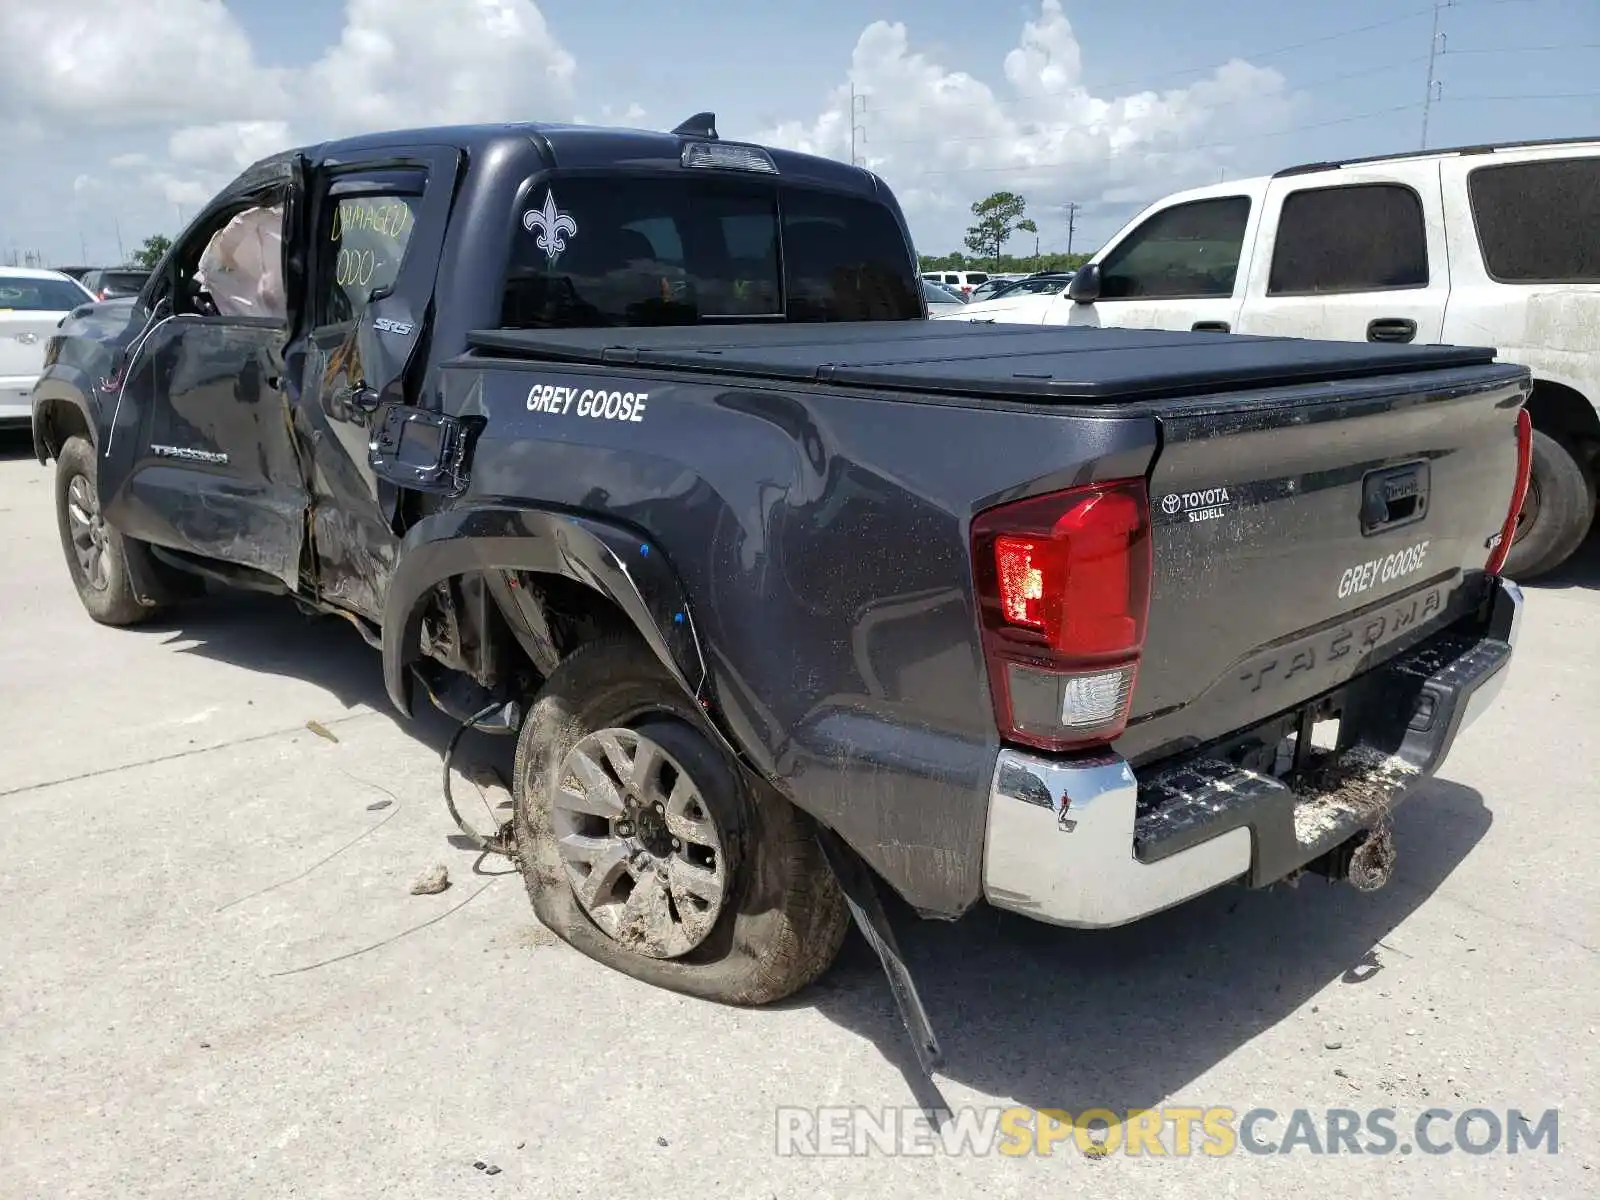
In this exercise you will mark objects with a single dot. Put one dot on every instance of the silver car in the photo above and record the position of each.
(941, 299)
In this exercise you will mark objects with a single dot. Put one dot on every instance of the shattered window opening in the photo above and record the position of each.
(241, 268)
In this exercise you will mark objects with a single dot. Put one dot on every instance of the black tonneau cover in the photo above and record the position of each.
(1033, 362)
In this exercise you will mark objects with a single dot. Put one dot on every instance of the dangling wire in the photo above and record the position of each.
(489, 845)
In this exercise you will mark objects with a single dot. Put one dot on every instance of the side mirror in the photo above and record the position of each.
(1085, 285)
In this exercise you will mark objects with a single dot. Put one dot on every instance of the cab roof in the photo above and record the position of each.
(579, 146)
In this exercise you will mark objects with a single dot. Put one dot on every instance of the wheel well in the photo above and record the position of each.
(507, 630)
(58, 421)
(1557, 409)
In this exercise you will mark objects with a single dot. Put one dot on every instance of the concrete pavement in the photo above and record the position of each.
(214, 981)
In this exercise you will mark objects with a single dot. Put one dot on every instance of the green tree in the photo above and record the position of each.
(149, 254)
(1008, 264)
(999, 216)
(1027, 226)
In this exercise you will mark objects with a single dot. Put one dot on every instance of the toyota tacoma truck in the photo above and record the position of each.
(640, 446)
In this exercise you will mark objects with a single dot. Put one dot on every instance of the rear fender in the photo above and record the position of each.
(615, 562)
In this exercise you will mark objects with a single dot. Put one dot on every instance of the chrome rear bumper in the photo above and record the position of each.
(1060, 844)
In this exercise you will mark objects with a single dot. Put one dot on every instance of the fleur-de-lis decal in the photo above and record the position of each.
(552, 225)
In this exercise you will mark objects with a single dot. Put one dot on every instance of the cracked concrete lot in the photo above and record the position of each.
(214, 981)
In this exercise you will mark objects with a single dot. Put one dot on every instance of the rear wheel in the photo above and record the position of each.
(1558, 511)
(646, 848)
(97, 555)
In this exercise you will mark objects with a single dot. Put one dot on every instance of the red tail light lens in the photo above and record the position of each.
(1063, 584)
(1519, 494)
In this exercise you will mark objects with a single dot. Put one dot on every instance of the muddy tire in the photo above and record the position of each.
(647, 848)
(97, 555)
(1558, 512)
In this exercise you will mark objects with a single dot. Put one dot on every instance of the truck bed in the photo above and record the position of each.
(1035, 364)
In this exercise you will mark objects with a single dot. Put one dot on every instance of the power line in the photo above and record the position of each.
(1435, 40)
(1524, 96)
(1338, 35)
(1438, 49)
(1147, 81)
(1522, 49)
(1081, 162)
(1398, 64)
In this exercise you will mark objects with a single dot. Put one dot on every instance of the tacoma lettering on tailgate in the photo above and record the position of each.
(1356, 637)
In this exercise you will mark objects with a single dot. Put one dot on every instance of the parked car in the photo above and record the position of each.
(637, 446)
(994, 284)
(113, 283)
(941, 298)
(32, 304)
(1020, 300)
(962, 281)
(1485, 244)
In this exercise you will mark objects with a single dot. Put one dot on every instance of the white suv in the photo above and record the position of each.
(961, 281)
(1485, 245)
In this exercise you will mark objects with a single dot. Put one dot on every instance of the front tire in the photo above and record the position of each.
(97, 555)
(1558, 512)
(643, 846)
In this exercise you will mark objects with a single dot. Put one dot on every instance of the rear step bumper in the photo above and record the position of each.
(1081, 842)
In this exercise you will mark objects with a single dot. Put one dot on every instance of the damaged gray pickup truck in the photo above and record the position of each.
(640, 447)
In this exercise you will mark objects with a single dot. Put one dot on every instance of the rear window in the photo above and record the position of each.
(609, 251)
(126, 282)
(39, 295)
(1537, 220)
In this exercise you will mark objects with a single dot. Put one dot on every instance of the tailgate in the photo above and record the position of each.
(1301, 540)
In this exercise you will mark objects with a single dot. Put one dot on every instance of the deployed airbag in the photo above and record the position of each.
(242, 267)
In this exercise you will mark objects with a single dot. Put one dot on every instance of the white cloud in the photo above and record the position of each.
(633, 116)
(187, 190)
(943, 138)
(402, 63)
(160, 102)
(110, 62)
(234, 144)
(140, 66)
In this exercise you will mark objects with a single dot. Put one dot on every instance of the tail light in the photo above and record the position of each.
(1501, 545)
(1063, 584)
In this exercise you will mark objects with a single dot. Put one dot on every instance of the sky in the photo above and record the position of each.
(118, 118)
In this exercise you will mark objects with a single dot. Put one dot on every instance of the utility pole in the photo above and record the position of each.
(122, 255)
(1072, 222)
(856, 128)
(1436, 42)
